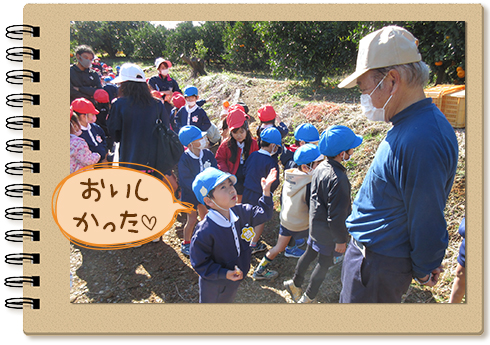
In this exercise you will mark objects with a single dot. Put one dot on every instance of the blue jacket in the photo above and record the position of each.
(198, 118)
(213, 249)
(258, 165)
(132, 125)
(97, 143)
(189, 167)
(164, 84)
(399, 210)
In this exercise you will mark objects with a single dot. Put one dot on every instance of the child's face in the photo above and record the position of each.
(199, 144)
(239, 134)
(90, 118)
(224, 195)
(191, 98)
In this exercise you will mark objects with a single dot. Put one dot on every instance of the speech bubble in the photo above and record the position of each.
(107, 207)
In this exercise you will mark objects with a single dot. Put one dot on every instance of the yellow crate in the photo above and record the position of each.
(455, 109)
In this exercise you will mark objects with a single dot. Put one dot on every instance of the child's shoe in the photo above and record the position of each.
(260, 247)
(305, 299)
(338, 259)
(300, 242)
(185, 248)
(265, 275)
(293, 252)
(294, 291)
(157, 239)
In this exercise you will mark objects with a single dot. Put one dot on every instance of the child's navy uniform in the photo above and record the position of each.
(215, 248)
(197, 117)
(189, 166)
(258, 165)
(95, 137)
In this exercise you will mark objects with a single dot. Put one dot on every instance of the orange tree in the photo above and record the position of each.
(211, 33)
(244, 49)
(308, 50)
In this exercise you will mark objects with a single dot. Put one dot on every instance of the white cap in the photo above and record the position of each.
(161, 60)
(130, 72)
(389, 46)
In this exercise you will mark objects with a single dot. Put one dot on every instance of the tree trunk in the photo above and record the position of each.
(197, 65)
(318, 79)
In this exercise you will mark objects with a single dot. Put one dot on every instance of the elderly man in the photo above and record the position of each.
(397, 221)
(83, 80)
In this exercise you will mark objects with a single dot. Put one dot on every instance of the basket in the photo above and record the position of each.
(453, 107)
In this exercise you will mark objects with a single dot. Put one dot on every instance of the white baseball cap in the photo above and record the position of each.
(389, 46)
(161, 60)
(130, 72)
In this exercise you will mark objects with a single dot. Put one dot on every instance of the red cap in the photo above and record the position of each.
(235, 119)
(176, 93)
(267, 113)
(157, 94)
(101, 96)
(83, 106)
(178, 100)
(112, 75)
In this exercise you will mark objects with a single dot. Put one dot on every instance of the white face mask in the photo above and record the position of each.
(276, 148)
(368, 109)
(164, 72)
(191, 104)
(203, 143)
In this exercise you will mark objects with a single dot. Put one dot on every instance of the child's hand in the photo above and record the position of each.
(267, 182)
(234, 275)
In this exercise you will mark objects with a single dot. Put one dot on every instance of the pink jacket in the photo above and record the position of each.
(80, 155)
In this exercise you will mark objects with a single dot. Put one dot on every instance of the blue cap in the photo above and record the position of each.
(190, 91)
(207, 180)
(118, 67)
(336, 139)
(307, 133)
(107, 79)
(271, 135)
(188, 134)
(306, 154)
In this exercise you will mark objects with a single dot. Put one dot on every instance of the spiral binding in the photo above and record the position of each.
(17, 54)
(18, 77)
(19, 30)
(17, 145)
(17, 122)
(17, 168)
(19, 281)
(18, 303)
(19, 235)
(18, 258)
(17, 190)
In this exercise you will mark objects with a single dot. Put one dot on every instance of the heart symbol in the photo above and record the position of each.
(149, 222)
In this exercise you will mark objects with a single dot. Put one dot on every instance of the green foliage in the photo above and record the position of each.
(149, 41)
(211, 33)
(307, 49)
(244, 49)
(181, 40)
(201, 50)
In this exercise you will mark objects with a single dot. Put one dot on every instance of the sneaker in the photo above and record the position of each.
(301, 242)
(305, 299)
(184, 248)
(293, 252)
(265, 275)
(157, 239)
(338, 259)
(260, 247)
(294, 291)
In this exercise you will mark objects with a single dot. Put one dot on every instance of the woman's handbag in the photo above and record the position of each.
(169, 149)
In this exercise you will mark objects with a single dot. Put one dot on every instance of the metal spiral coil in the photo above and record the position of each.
(17, 145)
(17, 213)
(19, 281)
(18, 258)
(17, 190)
(17, 100)
(19, 235)
(17, 54)
(18, 30)
(17, 76)
(17, 168)
(18, 303)
(17, 122)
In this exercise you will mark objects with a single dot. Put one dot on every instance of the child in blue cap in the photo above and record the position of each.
(191, 113)
(257, 166)
(220, 251)
(294, 208)
(305, 133)
(330, 204)
(194, 160)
